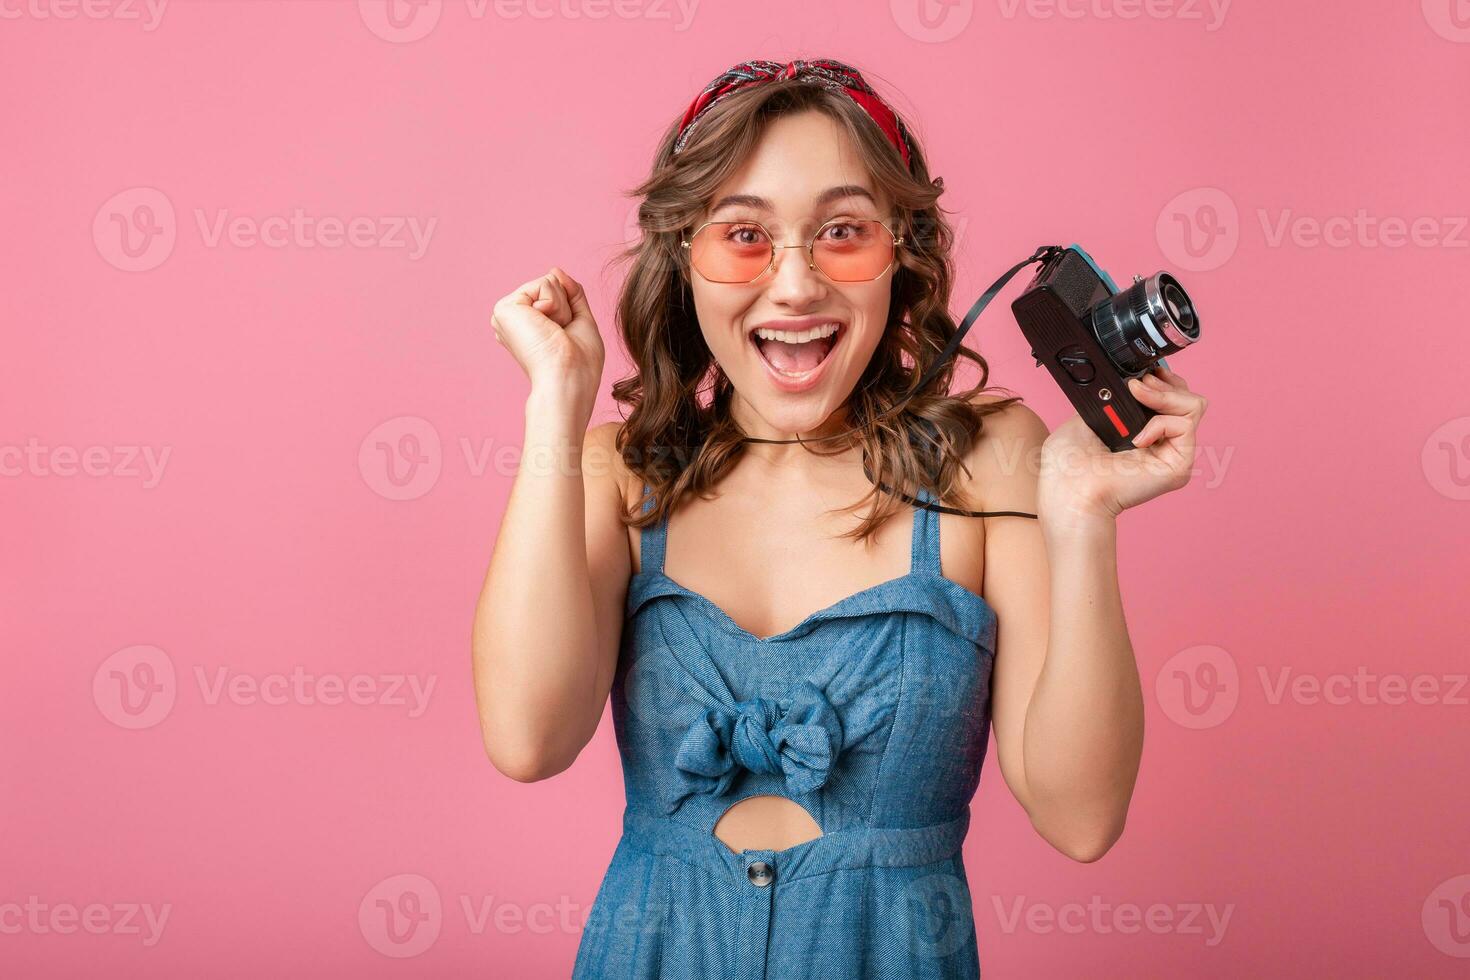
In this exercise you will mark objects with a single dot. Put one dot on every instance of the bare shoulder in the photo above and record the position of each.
(1005, 461)
(603, 465)
(1016, 421)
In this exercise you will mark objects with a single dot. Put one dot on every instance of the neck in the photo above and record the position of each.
(756, 427)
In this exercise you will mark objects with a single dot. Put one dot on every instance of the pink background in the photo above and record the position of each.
(1323, 535)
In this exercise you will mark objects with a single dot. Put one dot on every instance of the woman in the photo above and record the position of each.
(798, 782)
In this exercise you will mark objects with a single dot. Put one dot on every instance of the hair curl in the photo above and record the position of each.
(679, 436)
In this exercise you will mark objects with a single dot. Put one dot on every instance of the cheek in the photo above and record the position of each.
(870, 300)
(717, 317)
(710, 313)
(870, 307)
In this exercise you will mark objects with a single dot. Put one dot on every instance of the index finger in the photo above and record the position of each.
(1169, 375)
(575, 294)
(532, 290)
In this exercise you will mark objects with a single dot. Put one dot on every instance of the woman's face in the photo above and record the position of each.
(806, 171)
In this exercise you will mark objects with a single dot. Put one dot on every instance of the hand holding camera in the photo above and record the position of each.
(1105, 348)
(1093, 337)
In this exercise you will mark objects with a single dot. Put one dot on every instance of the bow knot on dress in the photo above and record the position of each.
(799, 737)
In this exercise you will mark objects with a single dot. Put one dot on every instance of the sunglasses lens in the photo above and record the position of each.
(853, 251)
(729, 251)
(856, 250)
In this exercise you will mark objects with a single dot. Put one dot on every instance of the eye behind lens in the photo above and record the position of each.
(866, 251)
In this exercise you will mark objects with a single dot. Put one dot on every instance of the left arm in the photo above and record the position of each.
(1067, 707)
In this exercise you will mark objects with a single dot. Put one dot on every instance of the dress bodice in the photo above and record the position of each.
(873, 711)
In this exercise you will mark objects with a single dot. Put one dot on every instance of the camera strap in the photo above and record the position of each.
(1040, 255)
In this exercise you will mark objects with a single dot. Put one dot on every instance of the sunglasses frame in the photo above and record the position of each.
(811, 255)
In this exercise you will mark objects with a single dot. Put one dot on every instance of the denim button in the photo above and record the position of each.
(761, 874)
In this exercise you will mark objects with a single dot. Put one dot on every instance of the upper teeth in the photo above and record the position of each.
(797, 336)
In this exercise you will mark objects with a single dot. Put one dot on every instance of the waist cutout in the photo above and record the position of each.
(852, 847)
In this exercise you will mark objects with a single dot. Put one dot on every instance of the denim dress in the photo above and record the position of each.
(873, 714)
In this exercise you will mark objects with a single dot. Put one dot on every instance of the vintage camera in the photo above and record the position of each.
(1093, 337)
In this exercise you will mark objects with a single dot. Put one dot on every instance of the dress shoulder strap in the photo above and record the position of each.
(652, 539)
(924, 550)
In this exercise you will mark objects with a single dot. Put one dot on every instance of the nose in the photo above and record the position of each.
(794, 282)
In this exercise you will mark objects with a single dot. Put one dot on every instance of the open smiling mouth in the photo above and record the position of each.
(797, 355)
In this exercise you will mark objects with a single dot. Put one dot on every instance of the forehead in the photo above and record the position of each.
(803, 163)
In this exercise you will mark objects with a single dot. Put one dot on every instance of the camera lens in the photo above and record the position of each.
(1178, 306)
(1151, 319)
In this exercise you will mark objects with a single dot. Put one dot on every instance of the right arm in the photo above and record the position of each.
(548, 622)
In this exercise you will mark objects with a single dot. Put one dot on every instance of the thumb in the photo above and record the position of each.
(1160, 427)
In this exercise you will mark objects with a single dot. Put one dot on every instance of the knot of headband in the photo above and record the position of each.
(823, 71)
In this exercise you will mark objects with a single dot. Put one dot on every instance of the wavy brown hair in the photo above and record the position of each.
(679, 436)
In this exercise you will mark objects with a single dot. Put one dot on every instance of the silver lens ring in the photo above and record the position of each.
(1158, 311)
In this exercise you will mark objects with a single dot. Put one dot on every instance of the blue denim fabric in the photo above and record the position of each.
(872, 713)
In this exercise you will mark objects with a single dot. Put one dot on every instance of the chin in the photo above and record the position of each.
(793, 413)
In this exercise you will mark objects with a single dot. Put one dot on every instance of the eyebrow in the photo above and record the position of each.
(826, 197)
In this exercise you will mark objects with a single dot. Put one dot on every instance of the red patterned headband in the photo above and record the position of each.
(823, 71)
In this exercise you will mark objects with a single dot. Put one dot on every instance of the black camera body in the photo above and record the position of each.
(1093, 337)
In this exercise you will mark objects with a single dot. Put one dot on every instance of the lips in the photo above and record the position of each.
(796, 352)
